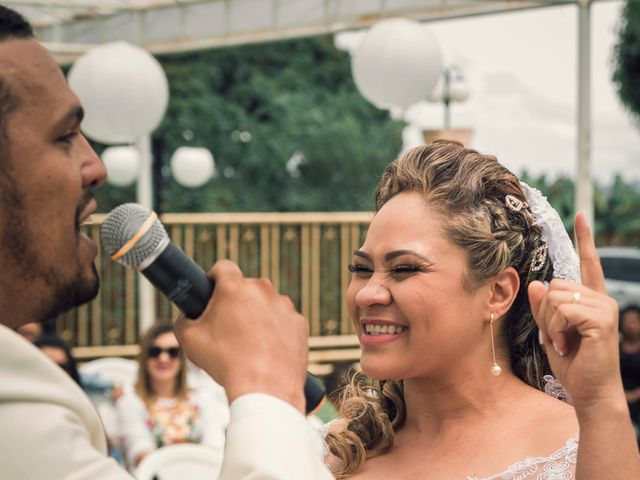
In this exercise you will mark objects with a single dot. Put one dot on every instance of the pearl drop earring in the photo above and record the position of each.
(495, 368)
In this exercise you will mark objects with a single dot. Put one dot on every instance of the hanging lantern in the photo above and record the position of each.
(123, 89)
(122, 164)
(192, 166)
(397, 63)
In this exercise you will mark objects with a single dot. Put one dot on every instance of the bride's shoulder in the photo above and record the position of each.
(551, 417)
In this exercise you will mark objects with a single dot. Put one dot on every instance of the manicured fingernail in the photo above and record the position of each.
(558, 351)
(540, 337)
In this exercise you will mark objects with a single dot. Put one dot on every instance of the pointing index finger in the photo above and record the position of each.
(590, 267)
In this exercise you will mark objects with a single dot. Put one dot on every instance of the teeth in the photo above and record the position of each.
(383, 329)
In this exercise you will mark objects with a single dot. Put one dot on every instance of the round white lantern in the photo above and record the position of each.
(192, 166)
(458, 91)
(397, 63)
(123, 89)
(122, 164)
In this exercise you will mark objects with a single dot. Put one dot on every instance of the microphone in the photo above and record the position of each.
(134, 236)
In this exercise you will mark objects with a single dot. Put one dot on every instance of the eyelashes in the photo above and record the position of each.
(68, 138)
(397, 270)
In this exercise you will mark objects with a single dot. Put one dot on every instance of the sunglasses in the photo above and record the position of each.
(155, 352)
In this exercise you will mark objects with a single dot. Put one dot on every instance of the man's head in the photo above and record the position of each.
(47, 174)
(12, 26)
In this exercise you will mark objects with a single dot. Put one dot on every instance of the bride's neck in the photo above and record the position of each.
(437, 405)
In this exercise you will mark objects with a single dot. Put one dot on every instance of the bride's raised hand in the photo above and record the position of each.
(579, 328)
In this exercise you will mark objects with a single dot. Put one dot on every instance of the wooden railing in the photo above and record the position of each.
(304, 254)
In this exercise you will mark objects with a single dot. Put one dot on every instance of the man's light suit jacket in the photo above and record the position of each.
(49, 429)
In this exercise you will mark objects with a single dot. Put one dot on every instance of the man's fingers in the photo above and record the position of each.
(590, 267)
(225, 269)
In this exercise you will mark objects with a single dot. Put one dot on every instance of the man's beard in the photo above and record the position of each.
(19, 247)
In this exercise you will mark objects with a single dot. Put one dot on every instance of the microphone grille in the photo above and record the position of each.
(125, 222)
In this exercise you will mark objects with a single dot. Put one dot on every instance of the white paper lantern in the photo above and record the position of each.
(459, 91)
(123, 89)
(397, 63)
(192, 166)
(122, 164)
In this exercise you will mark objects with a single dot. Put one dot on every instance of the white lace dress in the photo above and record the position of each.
(560, 465)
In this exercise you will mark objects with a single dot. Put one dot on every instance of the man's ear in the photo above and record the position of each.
(504, 288)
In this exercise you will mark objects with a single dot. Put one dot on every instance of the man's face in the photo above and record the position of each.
(47, 174)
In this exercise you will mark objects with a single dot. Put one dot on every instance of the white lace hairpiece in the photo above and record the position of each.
(561, 252)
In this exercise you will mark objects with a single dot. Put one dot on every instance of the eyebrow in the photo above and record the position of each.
(75, 115)
(391, 255)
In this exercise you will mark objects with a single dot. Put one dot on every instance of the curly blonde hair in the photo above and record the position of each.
(469, 190)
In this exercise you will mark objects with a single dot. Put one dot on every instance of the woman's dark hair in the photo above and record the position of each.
(53, 341)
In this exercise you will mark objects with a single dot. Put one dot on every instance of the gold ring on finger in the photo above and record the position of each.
(575, 298)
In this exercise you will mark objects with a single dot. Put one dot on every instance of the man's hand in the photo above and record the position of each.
(249, 338)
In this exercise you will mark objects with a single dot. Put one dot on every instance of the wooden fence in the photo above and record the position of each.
(304, 254)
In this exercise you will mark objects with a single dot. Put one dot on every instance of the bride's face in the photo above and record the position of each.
(413, 311)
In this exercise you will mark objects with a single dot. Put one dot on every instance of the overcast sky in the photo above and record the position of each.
(521, 68)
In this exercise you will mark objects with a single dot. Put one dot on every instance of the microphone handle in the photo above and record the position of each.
(183, 282)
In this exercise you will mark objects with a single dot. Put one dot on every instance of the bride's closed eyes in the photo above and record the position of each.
(399, 270)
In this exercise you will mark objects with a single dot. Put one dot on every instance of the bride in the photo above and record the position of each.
(466, 296)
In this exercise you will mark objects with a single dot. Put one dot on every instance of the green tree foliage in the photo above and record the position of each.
(616, 207)
(262, 108)
(627, 58)
(618, 217)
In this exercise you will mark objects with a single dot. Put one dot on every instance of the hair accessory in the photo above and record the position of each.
(539, 257)
(514, 203)
(495, 368)
(560, 249)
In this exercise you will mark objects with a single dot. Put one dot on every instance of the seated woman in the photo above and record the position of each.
(162, 410)
(57, 350)
(461, 322)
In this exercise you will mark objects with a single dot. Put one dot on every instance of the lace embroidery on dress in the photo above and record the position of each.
(554, 388)
(557, 466)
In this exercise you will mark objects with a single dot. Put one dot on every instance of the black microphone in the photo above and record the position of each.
(134, 237)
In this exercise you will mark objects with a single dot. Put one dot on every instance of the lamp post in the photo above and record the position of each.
(452, 88)
(125, 94)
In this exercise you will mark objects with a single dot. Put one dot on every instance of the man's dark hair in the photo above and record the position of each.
(12, 25)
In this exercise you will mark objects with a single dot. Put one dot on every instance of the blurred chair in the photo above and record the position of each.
(120, 372)
(180, 462)
(100, 377)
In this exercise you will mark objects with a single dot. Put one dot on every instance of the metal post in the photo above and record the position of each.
(446, 97)
(146, 293)
(584, 185)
